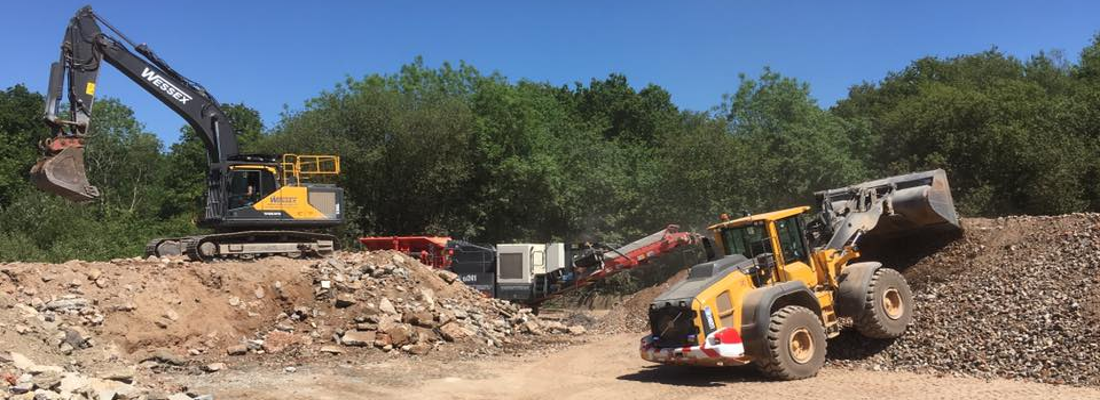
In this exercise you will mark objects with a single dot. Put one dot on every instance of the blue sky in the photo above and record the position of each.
(273, 53)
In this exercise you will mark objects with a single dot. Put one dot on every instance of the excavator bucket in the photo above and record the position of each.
(914, 203)
(63, 174)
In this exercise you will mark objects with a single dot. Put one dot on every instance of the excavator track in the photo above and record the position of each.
(244, 245)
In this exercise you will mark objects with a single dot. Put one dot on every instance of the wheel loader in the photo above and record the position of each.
(781, 281)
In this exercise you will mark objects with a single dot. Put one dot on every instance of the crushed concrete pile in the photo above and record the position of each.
(389, 301)
(22, 378)
(1015, 297)
(156, 315)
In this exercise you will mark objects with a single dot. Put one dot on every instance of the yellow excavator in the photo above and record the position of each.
(256, 204)
(784, 279)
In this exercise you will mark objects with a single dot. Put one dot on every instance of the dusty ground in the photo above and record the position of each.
(1012, 298)
(606, 368)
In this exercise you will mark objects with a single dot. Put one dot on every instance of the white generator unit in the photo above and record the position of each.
(520, 266)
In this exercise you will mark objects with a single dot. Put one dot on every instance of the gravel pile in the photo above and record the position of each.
(1015, 297)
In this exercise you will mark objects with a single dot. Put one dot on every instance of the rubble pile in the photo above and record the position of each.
(388, 301)
(1016, 297)
(157, 315)
(21, 378)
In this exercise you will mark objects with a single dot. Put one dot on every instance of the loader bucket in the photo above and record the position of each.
(63, 174)
(919, 203)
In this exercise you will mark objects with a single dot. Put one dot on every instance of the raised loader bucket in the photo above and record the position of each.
(63, 174)
(914, 203)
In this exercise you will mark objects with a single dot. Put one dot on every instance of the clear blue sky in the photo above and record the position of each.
(268, 54)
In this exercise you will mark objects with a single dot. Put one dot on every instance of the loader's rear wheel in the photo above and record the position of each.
(887, 306)
(796, 345)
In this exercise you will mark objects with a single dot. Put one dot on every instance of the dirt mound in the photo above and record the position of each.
(632, 315)
(1014, 297)
(173, 314)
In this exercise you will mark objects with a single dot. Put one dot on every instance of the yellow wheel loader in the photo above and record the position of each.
(785, 278)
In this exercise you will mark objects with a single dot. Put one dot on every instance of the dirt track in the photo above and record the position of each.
(606, 368)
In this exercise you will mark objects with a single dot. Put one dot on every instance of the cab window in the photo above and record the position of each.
(749, 241)
(249, 186)
(790, 239)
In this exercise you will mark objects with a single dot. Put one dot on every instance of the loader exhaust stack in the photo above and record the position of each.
(63, 174)
(887, 208)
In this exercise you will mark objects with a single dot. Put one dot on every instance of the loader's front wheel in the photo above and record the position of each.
(887, 306)
(796, 345)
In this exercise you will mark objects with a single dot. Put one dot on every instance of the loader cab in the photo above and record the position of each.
(778, 236)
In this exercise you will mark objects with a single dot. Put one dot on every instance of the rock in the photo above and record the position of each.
(234, 301)
(21, 329)
(421, 318)
(419, 349)
(20, 360)
(43, 369)
(332, 349)
(94, 274)
(76, 337)
(427, 296)
(5, 358)
(215, 367)
(125, 375)
(453, 331)
(179, 396)
(277, 341)
(172, 315)
(386, 306)
(22, 387)
(165, 357)
(259, 292)
(447, 276)
(71, 383)
(577, 330)
(290, 369)
(344, 300)
(358, 338)
(47, 380)
(400, 334)
(238, 350)
(76, 303)
(106, 389)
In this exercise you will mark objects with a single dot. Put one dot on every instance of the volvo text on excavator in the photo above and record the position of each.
(255, 204)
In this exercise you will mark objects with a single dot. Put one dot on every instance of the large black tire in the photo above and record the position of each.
(887, 306)
(796, 345)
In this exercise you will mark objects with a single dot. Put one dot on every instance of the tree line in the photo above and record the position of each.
(450, 150)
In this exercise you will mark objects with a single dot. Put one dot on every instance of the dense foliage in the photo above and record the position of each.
(453, 151)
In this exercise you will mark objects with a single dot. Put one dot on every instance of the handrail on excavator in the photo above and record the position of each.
(295, 167)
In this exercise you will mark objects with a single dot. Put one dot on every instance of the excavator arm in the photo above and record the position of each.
(83, 49)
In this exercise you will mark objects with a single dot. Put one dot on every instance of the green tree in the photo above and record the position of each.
(20, 129)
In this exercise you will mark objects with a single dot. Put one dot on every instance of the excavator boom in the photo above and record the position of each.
(84, 48)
